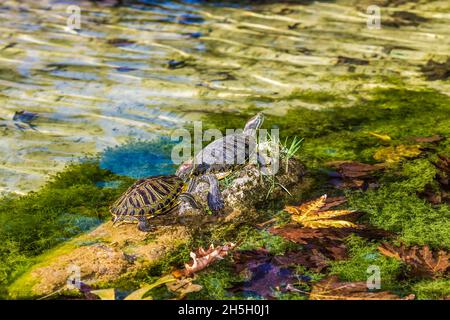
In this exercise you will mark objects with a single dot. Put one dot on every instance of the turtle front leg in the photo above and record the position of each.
(144, 226)
(215, 199)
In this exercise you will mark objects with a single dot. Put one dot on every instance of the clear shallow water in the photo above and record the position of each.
(140, 70)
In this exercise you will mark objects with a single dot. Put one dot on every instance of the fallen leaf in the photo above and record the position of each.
(266, 274)
(203, 258)
(333, 202)
(353, 174)
(332, 289)
(182, 287)
(140, 293)
(326, 244)
(354, 169)
(383, 137)
(105, 294)
(310, 215)
(442, 193)
(393, 154)
(432, 139)
(423, 261)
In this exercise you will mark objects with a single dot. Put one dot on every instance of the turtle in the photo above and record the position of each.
(222, 156)
(150, 197)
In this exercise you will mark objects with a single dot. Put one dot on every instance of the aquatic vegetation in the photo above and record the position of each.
(432, 289)
(362, 255)
(396, 206)
(70, 203)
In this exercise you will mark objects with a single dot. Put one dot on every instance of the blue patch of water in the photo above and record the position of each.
(140, 159)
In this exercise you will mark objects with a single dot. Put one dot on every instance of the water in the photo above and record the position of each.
(140, 70)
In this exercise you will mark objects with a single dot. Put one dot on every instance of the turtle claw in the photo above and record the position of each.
(214, 203)
(144, 226)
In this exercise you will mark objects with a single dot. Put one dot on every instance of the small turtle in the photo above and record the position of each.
(150, 197)
(221, 156)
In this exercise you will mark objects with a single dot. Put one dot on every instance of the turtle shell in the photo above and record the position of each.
(148, 197)
(227, 153)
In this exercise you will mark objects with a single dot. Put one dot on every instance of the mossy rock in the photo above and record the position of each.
(103, 255)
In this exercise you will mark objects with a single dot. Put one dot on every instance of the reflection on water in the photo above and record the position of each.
(142, 69)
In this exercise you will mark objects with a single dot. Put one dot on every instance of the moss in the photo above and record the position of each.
(216, 282)
(362, 255)
(395, 206)
(432, 289)
(276, 245)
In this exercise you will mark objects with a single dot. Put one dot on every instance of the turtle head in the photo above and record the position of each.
(185, 169)
(254, 123)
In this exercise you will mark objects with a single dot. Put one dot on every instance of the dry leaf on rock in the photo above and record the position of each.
(310, 215)
(423, 261)
(332, 289)
(327, 242)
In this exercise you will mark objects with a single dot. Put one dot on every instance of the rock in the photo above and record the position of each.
(250, 188)
(103, 255)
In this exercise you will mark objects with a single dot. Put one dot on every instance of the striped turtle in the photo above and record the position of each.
(221, 156)
(150, 197)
